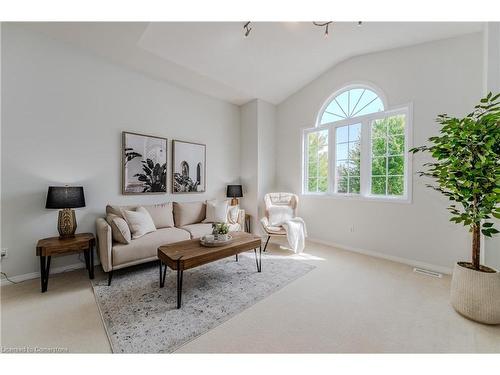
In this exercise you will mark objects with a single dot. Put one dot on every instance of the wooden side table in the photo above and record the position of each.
(248, 220)
(61, 246)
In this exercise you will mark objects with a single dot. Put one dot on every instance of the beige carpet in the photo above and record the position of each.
(349, 303)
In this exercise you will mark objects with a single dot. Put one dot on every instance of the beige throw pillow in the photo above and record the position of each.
(216, 211)
(139, 222)
(119, 229)
(161, 214)
(186, 213)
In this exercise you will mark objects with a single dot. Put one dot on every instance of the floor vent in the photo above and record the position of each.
(428, 272)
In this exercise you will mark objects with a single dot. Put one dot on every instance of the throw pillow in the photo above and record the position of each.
(162, 215)
(216, 211)
(119, 229)
(139, 222)
(233, 213)
(278, 215)
(186, 213)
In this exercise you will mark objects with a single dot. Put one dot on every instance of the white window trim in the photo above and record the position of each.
(365, 186)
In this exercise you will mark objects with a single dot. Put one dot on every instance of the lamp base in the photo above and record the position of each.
(66, 223)
(235, 202)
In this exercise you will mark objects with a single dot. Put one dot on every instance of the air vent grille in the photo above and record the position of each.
(423, 271)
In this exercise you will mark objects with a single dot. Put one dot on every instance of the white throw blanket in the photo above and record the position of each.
(295, 227)
(296, 233)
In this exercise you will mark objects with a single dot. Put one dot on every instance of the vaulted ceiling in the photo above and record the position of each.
(276, 60)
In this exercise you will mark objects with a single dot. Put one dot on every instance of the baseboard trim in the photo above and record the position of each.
(376, 254)
(36, 275)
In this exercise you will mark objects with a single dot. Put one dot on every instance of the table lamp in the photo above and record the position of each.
(234, 192)
(65, 198)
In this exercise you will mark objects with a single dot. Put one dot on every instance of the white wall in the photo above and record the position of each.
(258, 122)
(249, 160)
(63, 113)
(492, 84)
(439, 77)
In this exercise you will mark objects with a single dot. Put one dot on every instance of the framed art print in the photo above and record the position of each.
(188, 167)
(144, 164)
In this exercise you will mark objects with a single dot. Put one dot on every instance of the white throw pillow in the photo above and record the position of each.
(139, 222)
(278, 215)
(216, 211)
(233, 213)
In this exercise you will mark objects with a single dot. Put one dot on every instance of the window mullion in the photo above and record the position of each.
(332, 159)
(365, 155)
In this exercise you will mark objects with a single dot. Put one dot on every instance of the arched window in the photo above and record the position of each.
(198, 173)
(358, 147)
(350, 103)
(185, 169)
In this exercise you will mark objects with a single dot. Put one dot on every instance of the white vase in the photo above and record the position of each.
(476, 295)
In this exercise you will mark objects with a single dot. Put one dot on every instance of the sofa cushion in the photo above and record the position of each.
(139, 222)
(198, 230)
(186, 213)
(161, 214)
(217, 211)
(119, 228)
(146, 246)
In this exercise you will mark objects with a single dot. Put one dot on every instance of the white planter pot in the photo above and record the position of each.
(476, 295)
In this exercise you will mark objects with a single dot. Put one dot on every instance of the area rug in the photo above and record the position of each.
(139, 317)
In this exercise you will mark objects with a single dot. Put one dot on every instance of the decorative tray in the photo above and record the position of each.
(215, 243)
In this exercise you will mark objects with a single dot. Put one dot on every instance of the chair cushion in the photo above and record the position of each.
(162, 214)
(119, 228)
(275, 230)
(198, 230)
(186, 213)
(139, 222)
(279, 214)
(147, 245)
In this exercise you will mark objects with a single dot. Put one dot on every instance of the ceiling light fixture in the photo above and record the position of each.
(247, 29)
(323, 24)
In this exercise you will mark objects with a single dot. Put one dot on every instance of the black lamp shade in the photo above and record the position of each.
(65, 197)
(234, 191)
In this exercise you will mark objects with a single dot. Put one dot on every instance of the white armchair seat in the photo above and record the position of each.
(277, 199)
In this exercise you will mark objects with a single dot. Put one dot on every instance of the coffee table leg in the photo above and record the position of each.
(258, 260)
(86, 256)
(162, 274)
(236, 257)
(179, 286)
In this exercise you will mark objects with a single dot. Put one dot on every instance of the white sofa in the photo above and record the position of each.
(174, 222)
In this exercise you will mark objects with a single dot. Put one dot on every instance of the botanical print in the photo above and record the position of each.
(188, 172)
(144, 167)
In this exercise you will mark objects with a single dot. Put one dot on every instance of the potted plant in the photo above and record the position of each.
(220, 231)
(467, 171)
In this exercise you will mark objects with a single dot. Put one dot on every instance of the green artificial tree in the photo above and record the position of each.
(466, 168)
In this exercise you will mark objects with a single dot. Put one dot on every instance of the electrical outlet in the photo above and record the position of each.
(3, 254)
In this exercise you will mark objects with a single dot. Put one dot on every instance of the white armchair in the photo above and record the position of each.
(277, 199)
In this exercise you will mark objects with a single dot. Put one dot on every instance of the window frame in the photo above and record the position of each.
(366, 152)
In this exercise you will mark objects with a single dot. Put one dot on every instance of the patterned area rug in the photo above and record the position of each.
(142, 318)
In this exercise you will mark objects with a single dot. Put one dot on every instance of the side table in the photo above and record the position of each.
(47, 247)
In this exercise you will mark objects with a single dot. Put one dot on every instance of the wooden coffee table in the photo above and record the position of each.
(188, 254)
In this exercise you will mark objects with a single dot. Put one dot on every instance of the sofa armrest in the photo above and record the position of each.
(104, 244)
(241, 219)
